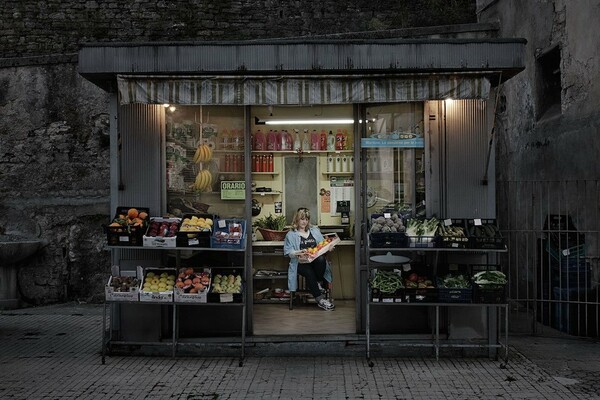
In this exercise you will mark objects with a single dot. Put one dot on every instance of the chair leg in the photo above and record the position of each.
(292, 296)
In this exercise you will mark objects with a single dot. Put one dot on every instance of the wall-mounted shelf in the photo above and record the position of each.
(266, 193)
(265, 173)
(303, 152)
(339, 173)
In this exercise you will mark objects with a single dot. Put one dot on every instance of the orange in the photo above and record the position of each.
(132, 213)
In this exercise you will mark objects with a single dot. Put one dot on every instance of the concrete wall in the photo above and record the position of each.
(54, 156)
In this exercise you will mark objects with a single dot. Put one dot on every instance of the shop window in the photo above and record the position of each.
(393, 138)
(549, 83)
(204, 147)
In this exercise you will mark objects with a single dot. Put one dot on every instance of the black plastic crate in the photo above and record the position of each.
(489, 295)
(388, 239)
(450, 241)
(196, 239)
(482, 241)
(128, 235)
(455, 295)
(419, 295)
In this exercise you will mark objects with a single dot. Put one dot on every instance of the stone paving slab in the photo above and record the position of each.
(54, 353)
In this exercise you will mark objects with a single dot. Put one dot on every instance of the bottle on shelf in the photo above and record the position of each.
(259, 141)
(227, 163)
(344, 163)
(224, 139)
(305, 141)
(339, 141)
(346, 140)
(338, 163)
(264, 163)
(330, 166)
(351, 164)
(314, 140)
(254, 169)
(330, 141)
(277, 140)
(271, 140)
(270, 163)
(297, 142)
(323, 140)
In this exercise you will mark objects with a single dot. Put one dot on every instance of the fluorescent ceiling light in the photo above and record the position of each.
(322, 121)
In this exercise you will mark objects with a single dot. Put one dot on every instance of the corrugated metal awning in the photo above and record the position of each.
(302, 71)
(298, 91)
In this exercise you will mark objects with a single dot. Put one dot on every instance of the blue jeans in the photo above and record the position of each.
(313, 273)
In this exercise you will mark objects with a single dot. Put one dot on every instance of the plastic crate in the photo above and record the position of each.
(419, 295)
(484, 242)
(489, 295)
(386, 239)
(457, 242)
(227, 297)
(229, 233)
(455, 295)
(422, 241)
(195, 239)
(126, 235)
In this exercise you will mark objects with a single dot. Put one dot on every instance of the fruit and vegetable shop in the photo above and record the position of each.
(388, 143)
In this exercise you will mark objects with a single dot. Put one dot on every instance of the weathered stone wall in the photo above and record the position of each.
(561, 145)
(54, 146)
(59, 26)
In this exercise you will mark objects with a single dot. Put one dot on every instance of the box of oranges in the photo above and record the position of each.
(309, 255)
(192, 285)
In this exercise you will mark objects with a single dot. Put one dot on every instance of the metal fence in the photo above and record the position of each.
(552, 230)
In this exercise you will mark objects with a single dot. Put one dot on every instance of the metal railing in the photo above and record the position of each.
(552, 230)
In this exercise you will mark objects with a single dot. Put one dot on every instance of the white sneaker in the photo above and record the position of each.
(326, 305)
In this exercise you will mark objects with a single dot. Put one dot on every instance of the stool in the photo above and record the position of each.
(301, 284)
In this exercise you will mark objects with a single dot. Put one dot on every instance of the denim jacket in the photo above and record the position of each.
(292, 244)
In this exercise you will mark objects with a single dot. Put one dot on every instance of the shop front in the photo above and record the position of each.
(368, 135)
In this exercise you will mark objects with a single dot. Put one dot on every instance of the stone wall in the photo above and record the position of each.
(54, 142)
(59, 26)
(559, 145)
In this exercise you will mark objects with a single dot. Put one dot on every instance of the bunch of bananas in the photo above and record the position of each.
(203, 153)
(203, 181)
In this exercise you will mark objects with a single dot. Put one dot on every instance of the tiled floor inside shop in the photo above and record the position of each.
(278, 319)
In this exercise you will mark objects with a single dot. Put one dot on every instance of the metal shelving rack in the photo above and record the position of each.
(107, 333)
(435, 344)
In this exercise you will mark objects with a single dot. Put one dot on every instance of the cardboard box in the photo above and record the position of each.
(161, 241)
(164, 296)
(308, 259)
(113, 294)
(201, 297)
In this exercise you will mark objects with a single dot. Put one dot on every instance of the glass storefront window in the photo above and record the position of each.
(394, 158)
(204, 147)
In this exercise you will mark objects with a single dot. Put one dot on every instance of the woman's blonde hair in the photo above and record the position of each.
(301, 214)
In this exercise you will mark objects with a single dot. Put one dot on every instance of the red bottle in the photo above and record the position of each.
(339, 140)
(323, 140)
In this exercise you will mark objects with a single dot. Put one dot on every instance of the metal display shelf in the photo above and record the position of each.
(107, 339)
(436, 344)
(107, 336)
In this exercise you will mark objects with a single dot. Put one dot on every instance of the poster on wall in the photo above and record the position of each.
(342, 189)
(233, 190)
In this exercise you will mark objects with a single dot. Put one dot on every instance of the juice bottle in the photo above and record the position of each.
(260, 144)
(270, 163)
(339, 140)
(271, 140)
(277, 140)
(323, 140)
(314, 140)
(345, 140)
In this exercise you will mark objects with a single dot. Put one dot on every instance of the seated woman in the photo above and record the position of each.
(303, 236)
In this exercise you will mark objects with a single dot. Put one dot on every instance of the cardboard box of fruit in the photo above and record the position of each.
(326, 245)
(157, 285)
(122, 286)
(162, 232)
(192, 286)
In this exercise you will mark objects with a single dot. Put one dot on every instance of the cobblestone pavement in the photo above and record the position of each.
(54, 353)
